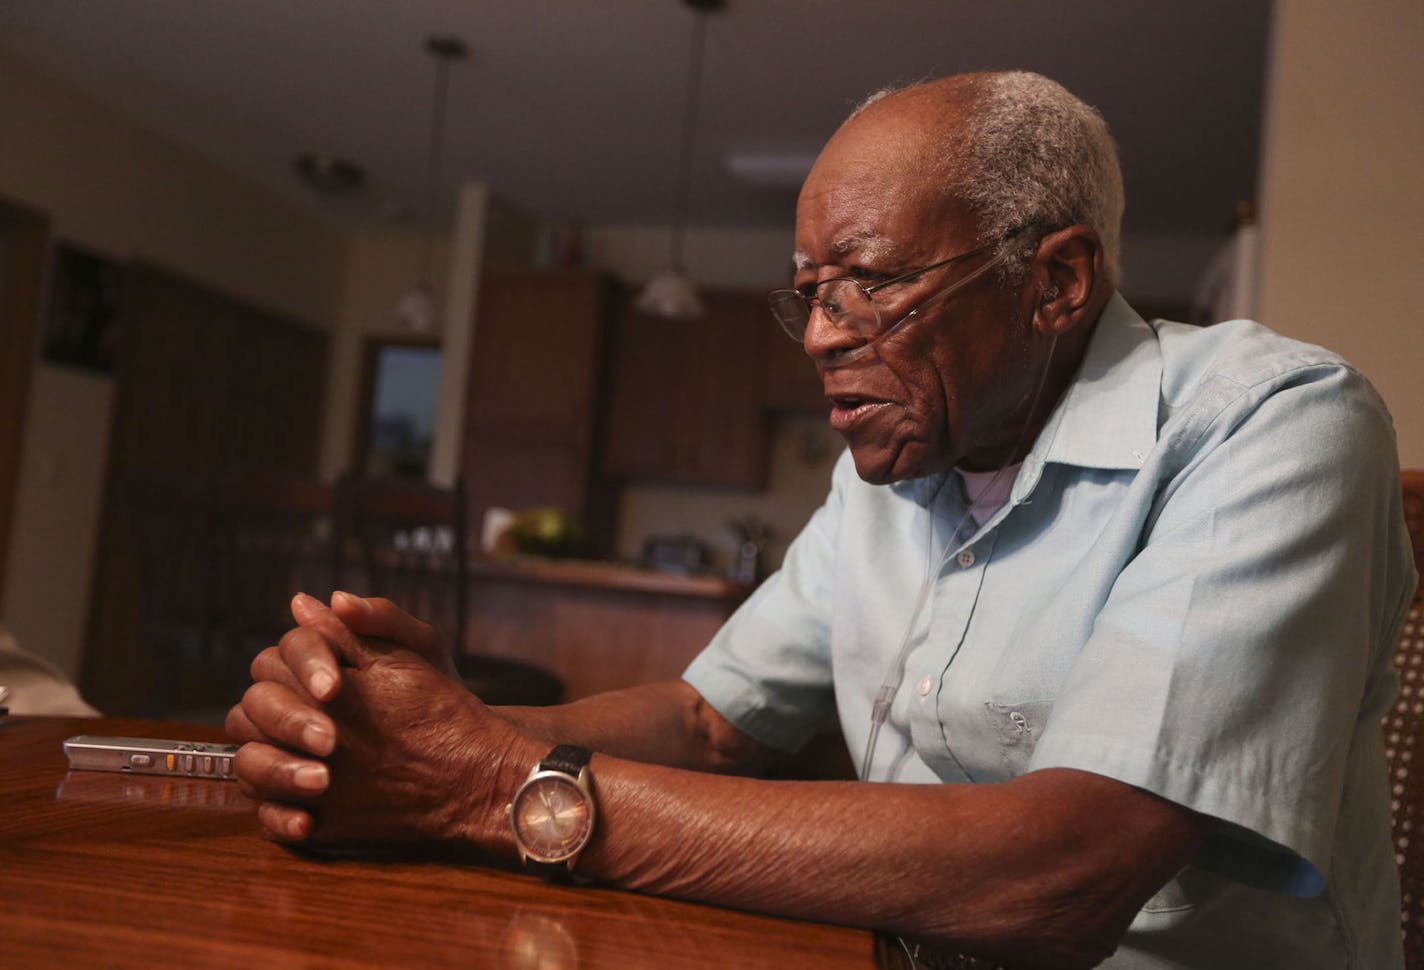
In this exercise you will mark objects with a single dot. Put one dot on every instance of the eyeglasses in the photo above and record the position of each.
(851, 306)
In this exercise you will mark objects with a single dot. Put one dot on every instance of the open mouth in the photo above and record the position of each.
(850, 402)
(849, 409)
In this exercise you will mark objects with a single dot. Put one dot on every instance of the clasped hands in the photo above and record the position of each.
(357, 730)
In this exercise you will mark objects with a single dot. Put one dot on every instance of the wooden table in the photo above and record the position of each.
(100, 869)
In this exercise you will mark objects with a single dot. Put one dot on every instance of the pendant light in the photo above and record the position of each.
(670, 293)
(416, 308)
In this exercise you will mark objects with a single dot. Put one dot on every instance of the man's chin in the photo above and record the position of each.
(882, 466)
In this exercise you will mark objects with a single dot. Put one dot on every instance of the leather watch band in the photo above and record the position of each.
(568, 758)
(548, 871)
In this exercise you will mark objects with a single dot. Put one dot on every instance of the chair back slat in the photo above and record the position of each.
(411, 543)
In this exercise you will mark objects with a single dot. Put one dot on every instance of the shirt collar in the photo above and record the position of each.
(1108, 416)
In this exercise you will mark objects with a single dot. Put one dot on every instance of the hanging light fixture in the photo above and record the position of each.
(415, 310)
(670, 293)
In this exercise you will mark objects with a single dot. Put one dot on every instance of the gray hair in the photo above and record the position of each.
(1028, 155)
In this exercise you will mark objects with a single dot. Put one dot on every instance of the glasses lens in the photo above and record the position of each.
(843, 302)
(849, 307)
(791, 311)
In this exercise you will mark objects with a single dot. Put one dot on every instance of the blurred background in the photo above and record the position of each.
(289, 236)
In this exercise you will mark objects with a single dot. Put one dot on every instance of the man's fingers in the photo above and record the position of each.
(270, 665)
(274, 712)
(271, 774)
(378, 617)
(285, 823)
(239, 726)
(312, 614)
(303, 659)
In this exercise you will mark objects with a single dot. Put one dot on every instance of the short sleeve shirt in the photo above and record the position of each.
(1194, 588)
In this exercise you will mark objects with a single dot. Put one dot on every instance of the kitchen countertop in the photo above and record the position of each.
(598, 574)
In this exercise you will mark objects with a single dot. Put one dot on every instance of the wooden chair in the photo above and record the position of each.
(1404, 742)
(172, 530)
(276, 535)
(218, 560)
(410, 544)
(413, 548)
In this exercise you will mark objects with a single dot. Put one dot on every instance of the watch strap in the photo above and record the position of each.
(550, 871)
(568, 758)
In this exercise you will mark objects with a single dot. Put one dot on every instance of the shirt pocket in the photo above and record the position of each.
(1015, 729)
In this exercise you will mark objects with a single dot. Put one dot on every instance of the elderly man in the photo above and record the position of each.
(1103, 607)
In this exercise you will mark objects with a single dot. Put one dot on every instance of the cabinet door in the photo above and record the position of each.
(685, 399)
(728, 444)
(651, 398)
(792, 383)
(532, 408)
(534, 363)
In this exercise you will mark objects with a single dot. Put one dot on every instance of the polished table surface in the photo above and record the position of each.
(101, 869)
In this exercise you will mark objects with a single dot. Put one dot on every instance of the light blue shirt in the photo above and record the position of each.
(1194, 588)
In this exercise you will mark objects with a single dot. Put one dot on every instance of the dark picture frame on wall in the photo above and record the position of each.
(82, 308)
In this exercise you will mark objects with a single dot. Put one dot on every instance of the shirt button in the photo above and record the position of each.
(924, 686)
(966, 558)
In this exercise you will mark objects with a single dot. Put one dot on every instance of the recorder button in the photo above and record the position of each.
(141, 760)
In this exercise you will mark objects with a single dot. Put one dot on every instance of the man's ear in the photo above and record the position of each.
(1068, 273)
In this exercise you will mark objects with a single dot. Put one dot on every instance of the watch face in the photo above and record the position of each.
(552, 818)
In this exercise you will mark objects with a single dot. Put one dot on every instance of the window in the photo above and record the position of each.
(402, 385)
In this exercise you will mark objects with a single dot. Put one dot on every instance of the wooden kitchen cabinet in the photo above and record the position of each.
(685, 399)
(791, 382)
(533, 409)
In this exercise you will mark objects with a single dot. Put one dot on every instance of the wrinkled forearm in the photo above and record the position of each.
(1045, 870)
(664, 724)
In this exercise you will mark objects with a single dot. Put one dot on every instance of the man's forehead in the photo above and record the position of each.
(872, 215)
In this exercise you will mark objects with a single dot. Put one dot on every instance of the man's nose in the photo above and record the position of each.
(825, 340)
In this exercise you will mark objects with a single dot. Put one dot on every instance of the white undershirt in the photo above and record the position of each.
(987, 491)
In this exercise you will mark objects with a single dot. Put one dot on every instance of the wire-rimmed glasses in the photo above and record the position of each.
(850, 305)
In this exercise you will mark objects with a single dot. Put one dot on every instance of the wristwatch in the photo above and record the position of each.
(552, 813)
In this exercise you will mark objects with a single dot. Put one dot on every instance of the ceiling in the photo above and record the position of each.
(572, 108)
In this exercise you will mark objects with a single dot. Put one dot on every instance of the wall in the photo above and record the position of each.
(1342, 201)
(112, 184)
(1163, 270)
